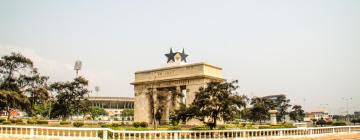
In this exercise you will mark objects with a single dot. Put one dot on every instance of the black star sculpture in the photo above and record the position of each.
(170, 56)
(183, 56)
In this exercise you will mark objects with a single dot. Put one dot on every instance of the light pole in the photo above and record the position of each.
(347, 106)
(77, 67)
(97, 89)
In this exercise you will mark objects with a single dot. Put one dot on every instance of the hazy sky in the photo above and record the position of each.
(306, 49)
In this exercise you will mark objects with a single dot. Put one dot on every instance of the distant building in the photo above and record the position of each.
(318, 114)
(357, 114)
(113, 105)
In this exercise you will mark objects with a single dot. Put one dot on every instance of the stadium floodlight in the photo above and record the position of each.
(77, 67)
(97, 89)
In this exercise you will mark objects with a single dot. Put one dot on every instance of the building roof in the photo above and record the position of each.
(103, 98)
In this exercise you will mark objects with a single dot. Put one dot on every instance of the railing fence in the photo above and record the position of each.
(109, 134)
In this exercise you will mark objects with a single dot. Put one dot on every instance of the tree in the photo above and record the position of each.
(15, 74)
(216, 101)
(97, 111)
(18, 74)
(127, 113)
(36, 91)
(84, 107)
(321, 122)
(69, 97)
(281, 104)
(297, 113)
(260, 108)
(10, 100)
(180, 114)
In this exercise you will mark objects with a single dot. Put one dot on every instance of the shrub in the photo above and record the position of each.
(12, 120)
(105, 125)
(64, 123)
(329, 123)
(6, 122)
(174, 128)
(136, 124)
(321, 122)
(2, 120)
(114, 125)
(143, 124)
(78, 124)
(265, 127)
(42, 122)
(31, 121)
(21, 123)
(221, 127)
(338, 123)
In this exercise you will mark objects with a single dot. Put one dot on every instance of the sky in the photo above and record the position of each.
(308, 50)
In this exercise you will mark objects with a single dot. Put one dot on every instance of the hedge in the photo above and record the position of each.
(42, 122)
(78, 124)
(2, 120)
(339, 124)
(64, 122)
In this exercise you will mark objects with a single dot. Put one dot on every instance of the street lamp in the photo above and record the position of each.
(347, 106)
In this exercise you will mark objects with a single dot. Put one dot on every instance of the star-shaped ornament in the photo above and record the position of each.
(170, 56)
(183, 55)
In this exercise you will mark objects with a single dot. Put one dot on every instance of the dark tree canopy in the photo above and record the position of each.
(19, 77)
(216, 101)
(297, 113)
(69, 97)
(260, 108)
(281, 104)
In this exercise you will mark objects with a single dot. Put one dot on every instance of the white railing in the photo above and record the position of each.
(106, 133)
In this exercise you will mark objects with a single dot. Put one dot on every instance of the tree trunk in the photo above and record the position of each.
(8, 112)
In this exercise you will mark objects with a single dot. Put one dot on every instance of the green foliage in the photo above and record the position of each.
(20, 123)
(2, 120)
(12, 120)
(78, 124)
(297, 113)
(218, 100)
(180, 114)
(64, 122)
(281, 103)
(21, 85)
(69, 97)
(339, 123)
(143, 124)
(174, 128)
(329, 123)
(278, 126)
(19, 120)
(105, 125)
(42, 122)
(140, 124)
(42, 109)
(10, 100)
(260, 109)
(136, 124)
(6, 122)
(114, 125)
(97, 111)
(321, 122)
(31, 121)
(127, 113)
